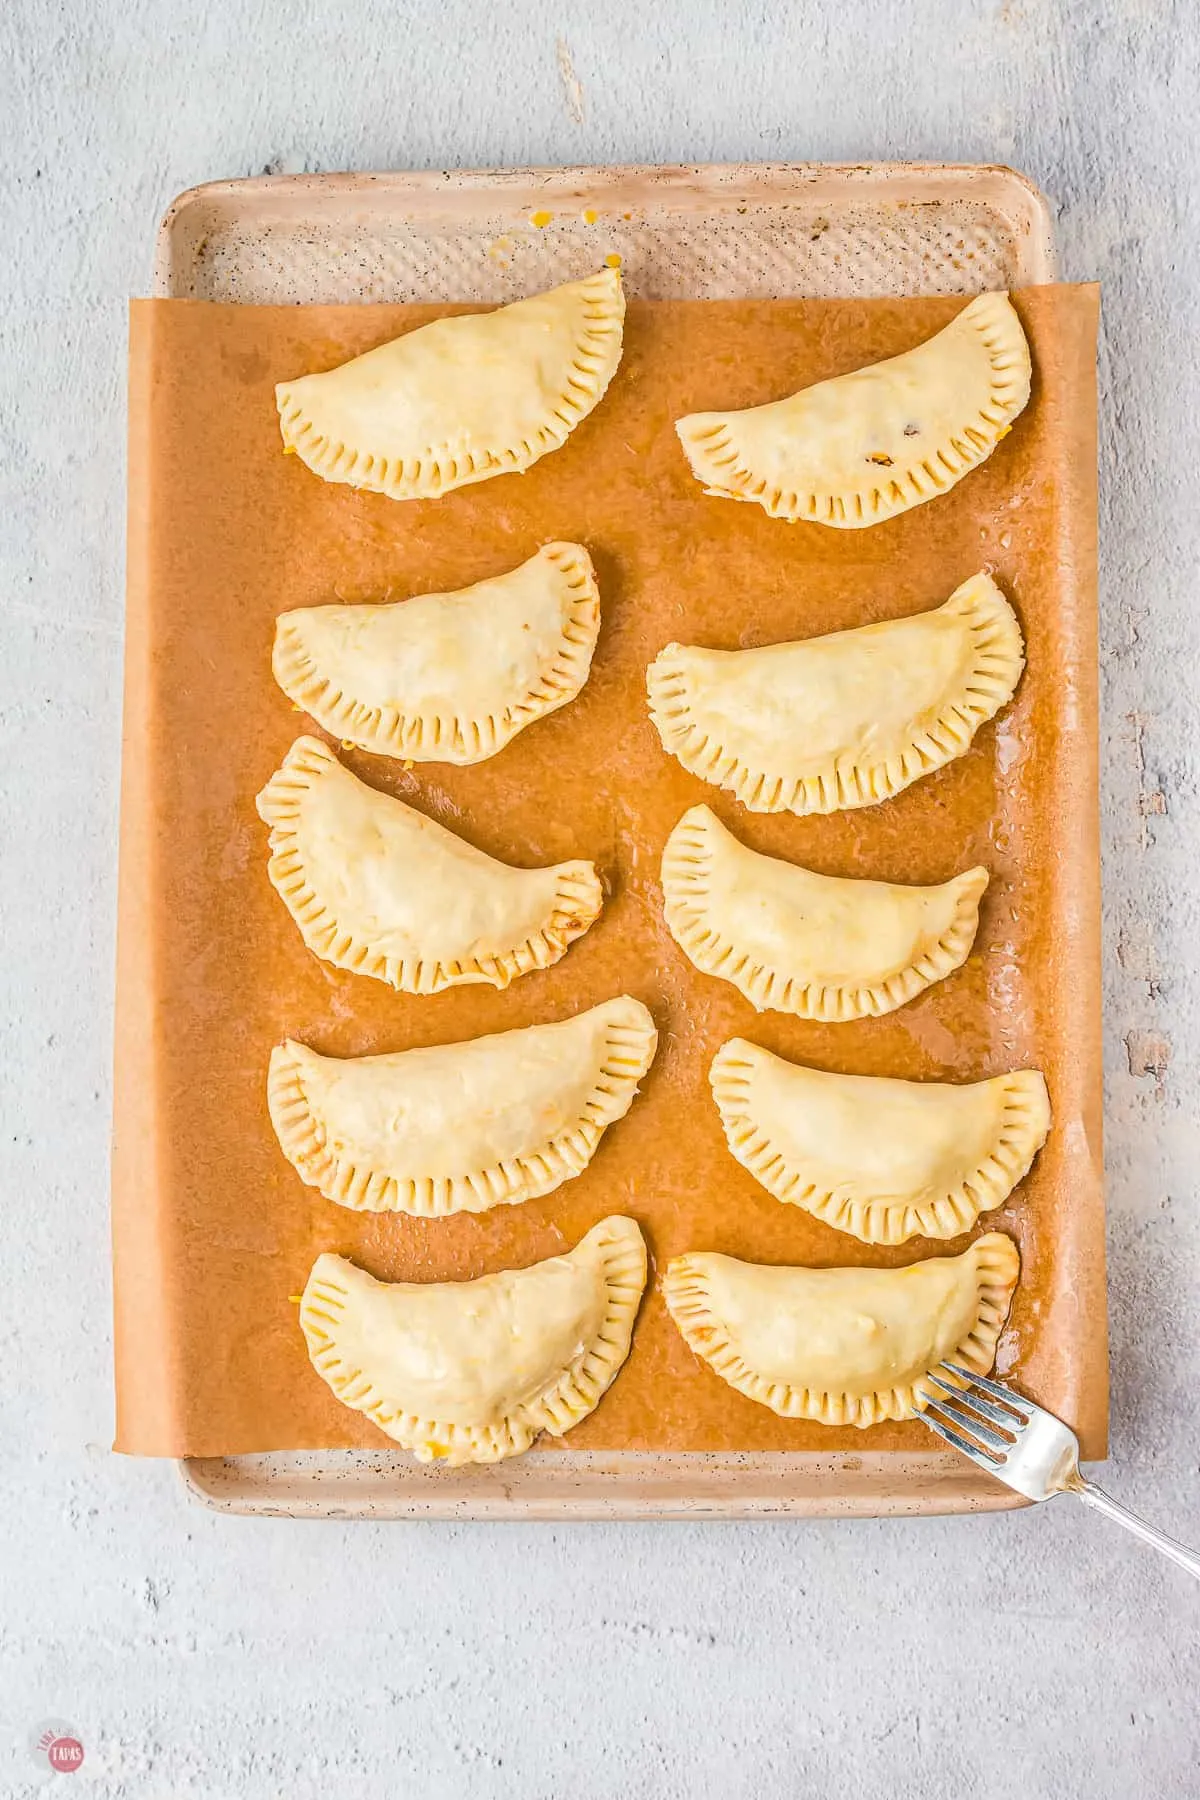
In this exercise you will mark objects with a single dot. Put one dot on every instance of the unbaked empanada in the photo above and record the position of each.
(462, 399)
(473, 1371)
(378, 888)
(460, 1127)
(880, 1158)
(862, 447)
(843, 1346)
(446, 677)
(819, 946)
(843, 720)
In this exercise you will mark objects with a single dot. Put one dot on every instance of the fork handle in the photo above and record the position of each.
(1091, 1495)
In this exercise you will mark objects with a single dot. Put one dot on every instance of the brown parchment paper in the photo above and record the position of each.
(212, 1229)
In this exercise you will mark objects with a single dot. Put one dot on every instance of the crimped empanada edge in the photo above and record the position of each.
(578, 898)
(628, 1050)
(620, 1249)
(433, 470)
(710, 443)
(687, 851)
(997, 1268)
(452, 738)
(1023, 1127)
(989, 684)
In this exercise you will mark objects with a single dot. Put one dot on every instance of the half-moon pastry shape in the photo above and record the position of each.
(885, 1160)
(446, 677)
(461, 399)
(473, 1371)
(378, 888)
(842, 720)
(820, 946)
(865, 446)
(843, 1346)
(460, 1127)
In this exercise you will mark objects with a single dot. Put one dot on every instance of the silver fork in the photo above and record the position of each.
(1027, 1447)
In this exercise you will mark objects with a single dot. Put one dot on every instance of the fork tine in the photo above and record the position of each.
(996, 1414)
(976, 1427)
(1017, 1401)
(960, 1443)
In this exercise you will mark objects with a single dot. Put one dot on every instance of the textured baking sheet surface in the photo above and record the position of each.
(214, 1230)
(722, 233)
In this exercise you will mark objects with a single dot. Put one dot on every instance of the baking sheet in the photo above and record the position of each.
(213, 1229)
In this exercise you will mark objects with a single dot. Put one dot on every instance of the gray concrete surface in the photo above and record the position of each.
(200, 1658)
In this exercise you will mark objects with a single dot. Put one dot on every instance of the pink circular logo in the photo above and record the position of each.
(64, 1755)
(56, 1746)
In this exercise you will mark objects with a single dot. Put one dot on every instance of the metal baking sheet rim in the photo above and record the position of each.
(565, 1484)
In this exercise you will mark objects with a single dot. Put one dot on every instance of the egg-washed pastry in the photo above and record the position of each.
(473, 1371)
(460, 1127)
(885, 1160)
(378, 888)
(446, 677)
(820, 946)
(863, 447)
(842, 720)
(843, 1346)
(462, 399)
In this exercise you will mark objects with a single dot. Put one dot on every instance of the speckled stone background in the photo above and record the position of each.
(201, 1658)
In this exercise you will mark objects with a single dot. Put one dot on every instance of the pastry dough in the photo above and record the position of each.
(843, 1346)
(819, 946)
(462, 399)
(446, 677)
(882, 1159)
(378, 888)
(460, 1127)
(865, 446)
(472, 1371)
(843, 720)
